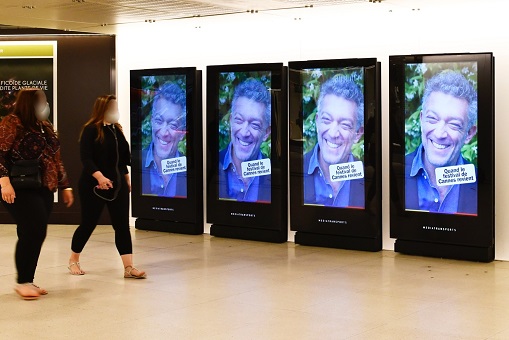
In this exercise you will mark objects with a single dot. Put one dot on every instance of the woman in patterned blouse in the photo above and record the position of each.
(26, 134)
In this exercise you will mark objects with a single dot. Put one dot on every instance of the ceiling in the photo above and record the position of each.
(103, 16)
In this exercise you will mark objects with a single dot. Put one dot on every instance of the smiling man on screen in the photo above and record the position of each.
(244, 175)
(438, 178)
(164, 171)
(329, 177)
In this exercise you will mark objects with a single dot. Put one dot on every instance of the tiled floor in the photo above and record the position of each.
(203, 287)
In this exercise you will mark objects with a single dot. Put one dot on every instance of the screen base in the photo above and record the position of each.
(169, 226)
(449, 251)
(338, 241)
(252, 234)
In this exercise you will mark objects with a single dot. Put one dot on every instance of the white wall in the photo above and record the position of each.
(345, 31)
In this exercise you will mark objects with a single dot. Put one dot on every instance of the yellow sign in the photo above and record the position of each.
(26, 50)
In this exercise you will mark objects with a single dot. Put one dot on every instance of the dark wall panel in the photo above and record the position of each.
(85, 70)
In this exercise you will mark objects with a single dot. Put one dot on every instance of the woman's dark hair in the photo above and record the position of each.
(97, 116)
(24, 108)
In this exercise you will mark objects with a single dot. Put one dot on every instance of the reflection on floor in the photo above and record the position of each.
(203, 287)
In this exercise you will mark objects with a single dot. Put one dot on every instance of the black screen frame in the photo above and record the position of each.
(187, 210)
(439, 228)
(244, 215)
(352, 223)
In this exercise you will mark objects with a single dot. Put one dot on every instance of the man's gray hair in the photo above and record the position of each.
(454, 84)
(174, 94)
(254, 89)
(344, 87)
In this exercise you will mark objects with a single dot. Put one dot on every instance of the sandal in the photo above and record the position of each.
(27, 291)
(128, 273)
(40, 290)
(77, 264)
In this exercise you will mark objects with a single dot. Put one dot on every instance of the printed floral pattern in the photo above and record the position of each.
(17, 143)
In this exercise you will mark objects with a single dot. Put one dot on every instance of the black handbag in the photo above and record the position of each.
(26, 174)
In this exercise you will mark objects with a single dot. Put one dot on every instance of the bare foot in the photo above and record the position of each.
(75, 269)
(27, 291)
(134, 273)
(40, 290)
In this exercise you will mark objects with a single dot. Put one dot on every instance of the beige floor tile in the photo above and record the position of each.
(391, 332)
(504, 335)
(448, 321)
(204, 287)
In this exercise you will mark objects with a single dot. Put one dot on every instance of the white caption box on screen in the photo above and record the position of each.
(457, 174)
(346, 171)
(259, 167)
(173, 165)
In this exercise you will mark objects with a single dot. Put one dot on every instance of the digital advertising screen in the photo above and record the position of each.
(163, 133)
(166, 142)
(246, 143)
(334, 153)
(441, 131)
(333, 127)
(441, 145)
(245, 120)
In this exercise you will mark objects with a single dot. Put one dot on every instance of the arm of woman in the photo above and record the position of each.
(87, 142)
(63, 182)
(128, 181)
(126, 160)
(125, 153)
(8, 127)
(87, 149)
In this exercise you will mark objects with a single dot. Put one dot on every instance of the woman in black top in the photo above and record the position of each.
(104, 181)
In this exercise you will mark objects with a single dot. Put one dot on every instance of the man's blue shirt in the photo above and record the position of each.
(236, 188)
(157, 186)
(324, 194)
(429, 198)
